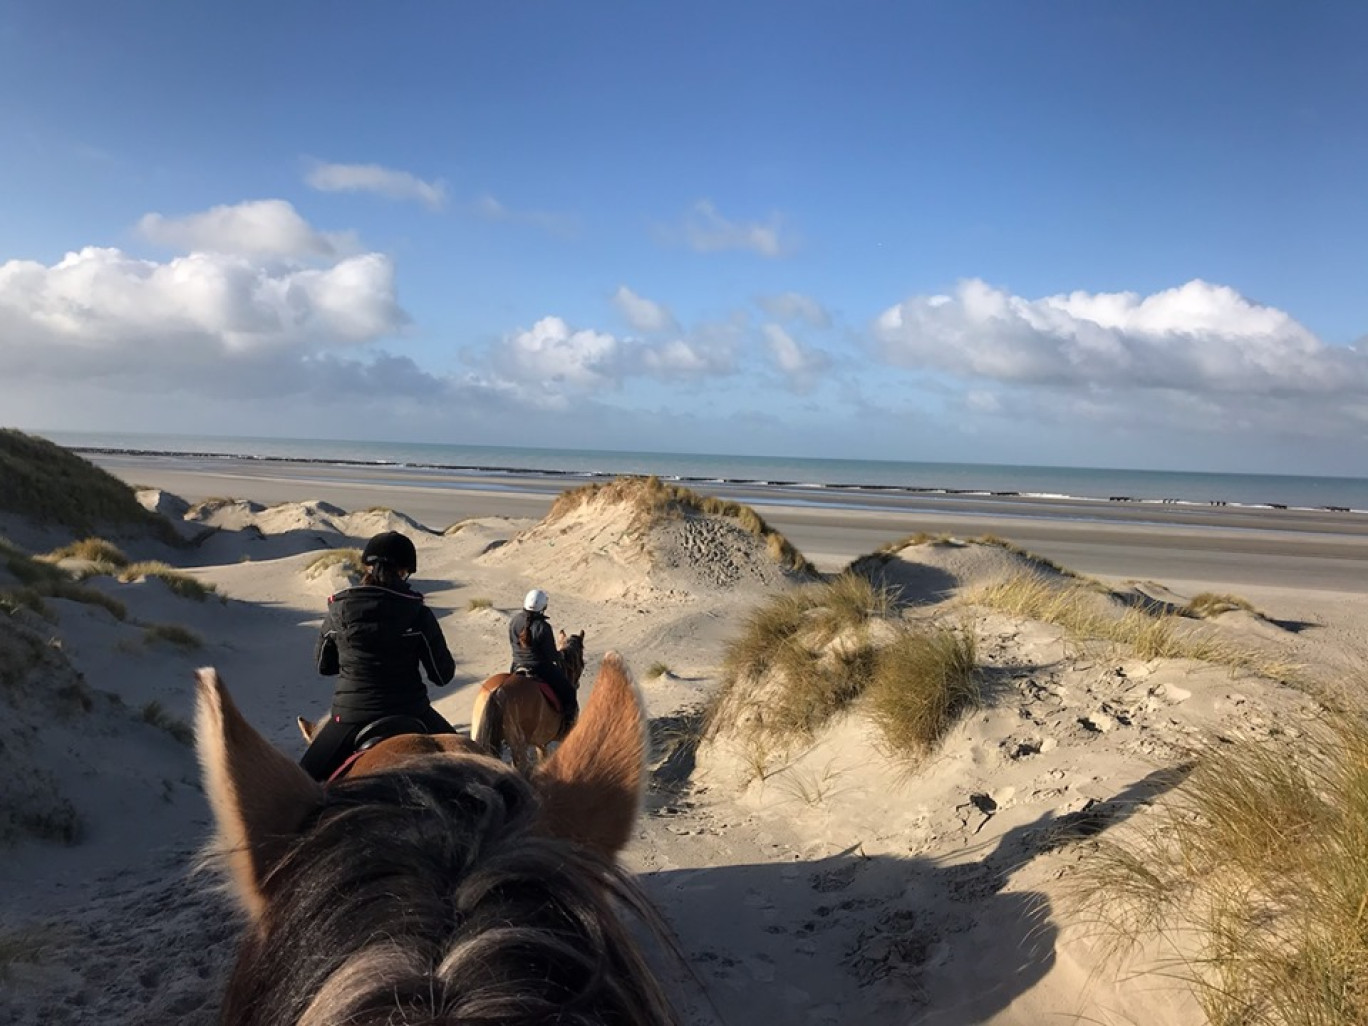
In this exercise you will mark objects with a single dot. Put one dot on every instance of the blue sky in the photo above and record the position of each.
(1103, 234)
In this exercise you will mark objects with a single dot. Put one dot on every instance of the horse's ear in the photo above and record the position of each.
(592, 785)
(259, 795)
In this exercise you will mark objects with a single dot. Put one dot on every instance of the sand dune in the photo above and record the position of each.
(833, 881)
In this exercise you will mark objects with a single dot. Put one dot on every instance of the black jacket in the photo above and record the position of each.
(539, 655)
(374, 640)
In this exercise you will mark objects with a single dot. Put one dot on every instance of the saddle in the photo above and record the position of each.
(548, 692)
(373, 733)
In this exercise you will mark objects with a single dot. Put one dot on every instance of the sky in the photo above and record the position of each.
(1129, 235)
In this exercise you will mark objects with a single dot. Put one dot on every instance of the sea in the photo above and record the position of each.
(1344, 494)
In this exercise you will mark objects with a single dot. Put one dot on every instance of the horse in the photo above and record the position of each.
(434, 884)
(511, 707)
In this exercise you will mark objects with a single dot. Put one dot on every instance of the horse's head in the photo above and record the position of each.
(445, 885)
(571, 649)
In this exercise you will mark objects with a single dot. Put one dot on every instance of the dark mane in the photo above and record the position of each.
(423, 895)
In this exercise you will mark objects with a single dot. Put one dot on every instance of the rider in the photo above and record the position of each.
(534, 651)
(375, 638)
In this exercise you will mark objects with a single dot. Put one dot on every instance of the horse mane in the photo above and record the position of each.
(426, 895)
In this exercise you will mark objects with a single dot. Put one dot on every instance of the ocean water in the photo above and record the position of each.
(1084, 483)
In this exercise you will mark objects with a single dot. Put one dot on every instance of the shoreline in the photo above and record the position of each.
(1224, 545)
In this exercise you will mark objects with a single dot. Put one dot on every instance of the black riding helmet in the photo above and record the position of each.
(393, 548)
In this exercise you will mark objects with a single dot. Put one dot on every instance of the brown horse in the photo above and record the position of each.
(511, 708)
(434, 884)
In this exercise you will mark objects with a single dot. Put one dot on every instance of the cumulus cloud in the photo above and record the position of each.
(384, 181)
(801, 364)
(205, 321)
(551, 352)
(641, 313)
(794, 306)
(256, 228)
(1199, 338)
(708, 231)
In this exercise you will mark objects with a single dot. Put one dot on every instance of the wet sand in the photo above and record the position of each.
(1315, 550)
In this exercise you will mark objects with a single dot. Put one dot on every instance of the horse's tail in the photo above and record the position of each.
(490, 734)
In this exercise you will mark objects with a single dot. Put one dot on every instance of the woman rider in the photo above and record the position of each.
(375, 639)
(534, 651)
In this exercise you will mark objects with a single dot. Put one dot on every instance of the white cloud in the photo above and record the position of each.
(206, 322)
(708, 231)
(551, 353)
(255, 228)
(687, 358)
(641, 313)
(491, 209)
(384, 181)
(1198, 338)
(794, 306)
(800, 364)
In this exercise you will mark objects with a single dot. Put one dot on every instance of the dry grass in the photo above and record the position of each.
(652, 500)
(658, 670)
(94, 550)
(1076, 607)
(172, 634)
(479, 603)
(808, 654)
(157, 716)
(1257, 872)
(349, 559)
(178, 581)
(40, 580)
(1209, 604)
(922, 683)
(45, 482)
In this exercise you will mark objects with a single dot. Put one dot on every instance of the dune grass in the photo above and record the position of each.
(155, 714)
(814, 651)
(657, 670)
(922, 683)
(479, 603)
(1076, 607)
(348, 558)
(25, 945)
(40, 580)
(652, 500)
(91, 549)
(172, 634)
(1209, 604)
(1257, 874)
(44, 482)
(178, 581)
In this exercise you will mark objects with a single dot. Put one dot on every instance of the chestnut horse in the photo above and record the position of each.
(434, 884)
(511, 708)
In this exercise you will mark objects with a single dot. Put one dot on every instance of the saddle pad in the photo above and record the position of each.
(549, 693)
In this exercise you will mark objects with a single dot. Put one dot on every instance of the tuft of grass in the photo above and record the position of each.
(922, 683)
(14, 599)
(349, 559)
(94, 550)
(652, 500)
(658, 670)
(478, 603)
(25, 945)
(1256, 872)
(40, 580)
(157, 716)
(1209, 604)
(172, 634)
(456, 528)
(207, 506)
(178, 581)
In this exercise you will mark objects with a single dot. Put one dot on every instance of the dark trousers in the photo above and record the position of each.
(333, 743)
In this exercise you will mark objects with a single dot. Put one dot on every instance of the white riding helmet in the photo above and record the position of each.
(535, 601)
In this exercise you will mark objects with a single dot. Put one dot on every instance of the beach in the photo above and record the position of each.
(825, 883)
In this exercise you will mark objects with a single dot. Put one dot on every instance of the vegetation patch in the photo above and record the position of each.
(658, 670)
(1209, 604)
(1256, 872)
(25, 945)
(177, 580)
(479, 603)
(172, 634)
(93, 550)
(41, 580)
(157, 716)
(42, 481)
(348, 559)
(652, 500)
(808, 654)
(1076, 608)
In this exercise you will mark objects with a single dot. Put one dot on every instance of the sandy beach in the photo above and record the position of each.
(835, 884)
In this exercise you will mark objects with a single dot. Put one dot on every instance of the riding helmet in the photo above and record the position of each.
(393, 548)
(535, 602)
